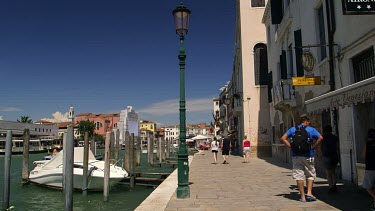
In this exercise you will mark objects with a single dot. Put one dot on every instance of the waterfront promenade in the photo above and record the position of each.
(258, 185)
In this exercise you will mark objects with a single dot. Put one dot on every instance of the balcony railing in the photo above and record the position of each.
(283, 94)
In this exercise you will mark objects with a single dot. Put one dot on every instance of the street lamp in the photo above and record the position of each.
(181, 18)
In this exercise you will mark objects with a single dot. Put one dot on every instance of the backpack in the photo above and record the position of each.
(301, 143)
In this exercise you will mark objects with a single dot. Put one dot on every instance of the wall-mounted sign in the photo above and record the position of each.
(306, 81)
(308, 61)
(358, 7)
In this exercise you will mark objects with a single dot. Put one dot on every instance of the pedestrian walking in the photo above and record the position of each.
(330, 154)
(369, 155)
(246, 150)
(225, 147)
(303, 146)
(215, 149)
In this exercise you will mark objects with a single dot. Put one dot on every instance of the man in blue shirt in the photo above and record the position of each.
(303, 164)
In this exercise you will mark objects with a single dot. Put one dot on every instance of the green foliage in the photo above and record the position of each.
(25, 119)
(98, 137)
(85, 126)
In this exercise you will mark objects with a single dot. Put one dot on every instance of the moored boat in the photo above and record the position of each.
(50, 172)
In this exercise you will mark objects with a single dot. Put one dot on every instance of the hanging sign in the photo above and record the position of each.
(306, 81)
(358, 7)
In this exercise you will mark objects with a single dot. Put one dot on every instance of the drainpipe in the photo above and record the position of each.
(331, 25)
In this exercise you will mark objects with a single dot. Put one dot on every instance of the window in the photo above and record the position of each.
(260, 64)
(364, 65)
(258, 3)
(98, 125)
(322, 34)
(291, 61)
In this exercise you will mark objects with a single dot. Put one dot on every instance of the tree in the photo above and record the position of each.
(98, 137)
(25, 119)
(85, 126)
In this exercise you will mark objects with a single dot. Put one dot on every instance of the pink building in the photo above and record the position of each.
(103, 122)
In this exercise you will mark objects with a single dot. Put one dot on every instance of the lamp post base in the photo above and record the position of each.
(183, 192)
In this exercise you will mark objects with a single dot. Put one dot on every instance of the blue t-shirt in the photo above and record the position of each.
(313, 134)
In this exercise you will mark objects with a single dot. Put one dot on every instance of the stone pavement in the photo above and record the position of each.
(257, 185)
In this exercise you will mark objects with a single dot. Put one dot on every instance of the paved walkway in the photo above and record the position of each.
(258, 185)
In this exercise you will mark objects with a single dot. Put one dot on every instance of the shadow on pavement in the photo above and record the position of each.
(348, 197)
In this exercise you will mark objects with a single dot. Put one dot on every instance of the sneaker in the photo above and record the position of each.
(224, 162)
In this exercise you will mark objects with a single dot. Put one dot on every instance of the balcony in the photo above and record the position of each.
(283, 95)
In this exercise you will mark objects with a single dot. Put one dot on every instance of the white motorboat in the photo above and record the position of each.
(50, 172)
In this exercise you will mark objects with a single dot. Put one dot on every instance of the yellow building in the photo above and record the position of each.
(147, 125)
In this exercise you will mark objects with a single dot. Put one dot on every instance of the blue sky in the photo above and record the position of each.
(101, 56)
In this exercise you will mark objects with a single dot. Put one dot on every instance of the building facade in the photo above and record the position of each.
(247, 105)
(312, 39)
(103, 122)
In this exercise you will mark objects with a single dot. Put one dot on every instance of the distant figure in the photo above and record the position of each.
(54, 152)
(330, 148)
(215, 149)
(225, 147)
(369, 155)
(303, 155)
(246, 150)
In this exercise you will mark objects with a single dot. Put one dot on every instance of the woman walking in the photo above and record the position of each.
(215, 149)
(246, 150)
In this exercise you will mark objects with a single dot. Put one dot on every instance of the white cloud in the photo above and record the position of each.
(172, 106)
(10, 109)
(58, 117)
(1, 117)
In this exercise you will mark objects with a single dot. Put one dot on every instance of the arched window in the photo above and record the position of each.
(260, 64)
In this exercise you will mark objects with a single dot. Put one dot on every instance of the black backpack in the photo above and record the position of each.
(300, 143)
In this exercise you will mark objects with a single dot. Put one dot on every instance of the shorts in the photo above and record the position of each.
(330, 163)
(214, 151)
(369, 179)
(225, 152)
(246, 149)
(303, 167)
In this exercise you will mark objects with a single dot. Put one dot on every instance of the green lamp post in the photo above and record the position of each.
(181, 18)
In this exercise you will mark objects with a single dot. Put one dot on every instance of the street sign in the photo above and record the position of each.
(306, 81)
(358, 7)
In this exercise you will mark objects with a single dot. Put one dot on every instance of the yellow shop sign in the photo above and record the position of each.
(306, 81)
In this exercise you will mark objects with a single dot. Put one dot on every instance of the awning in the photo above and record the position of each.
(359, 92)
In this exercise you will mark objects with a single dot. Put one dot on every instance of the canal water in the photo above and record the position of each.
(34, 197)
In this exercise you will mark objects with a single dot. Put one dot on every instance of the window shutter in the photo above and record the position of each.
(270, 84)
(298, 45)
(284, 74)
(276, 11)
(263, 66)
(257, 66)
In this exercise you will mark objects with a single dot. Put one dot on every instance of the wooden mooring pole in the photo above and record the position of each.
(131, 161)
(92, 145)
(157, 143)
(162, 140)
(25, 158)
(68, 170)
(7, 165)
(107, 157)
(127, 148)
(139, 151)
(112, 147)
(150, 150)
(168, 146)
(85, 164)
(158, 139)
(117, 144)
